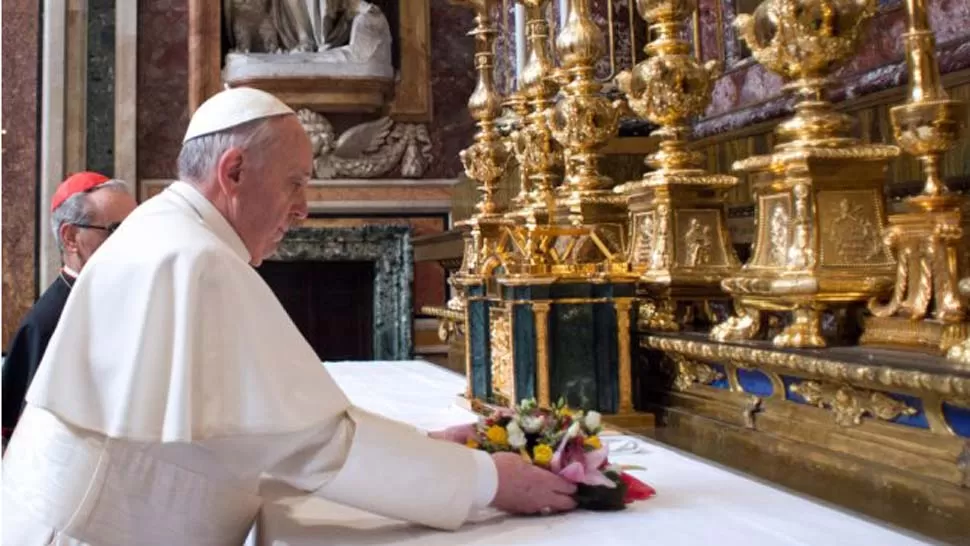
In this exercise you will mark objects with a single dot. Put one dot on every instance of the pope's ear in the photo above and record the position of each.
(68, 234)
(229, 169)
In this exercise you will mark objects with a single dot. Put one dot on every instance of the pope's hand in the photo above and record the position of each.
(527, 489)
(459, 434)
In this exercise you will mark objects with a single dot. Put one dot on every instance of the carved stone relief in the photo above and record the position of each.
(368, 150)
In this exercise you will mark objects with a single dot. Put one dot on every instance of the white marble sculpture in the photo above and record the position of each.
(312, 38)
(368, 150)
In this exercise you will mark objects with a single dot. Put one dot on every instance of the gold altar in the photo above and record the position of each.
(838, 347)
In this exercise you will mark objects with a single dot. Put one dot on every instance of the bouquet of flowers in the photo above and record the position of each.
(566, 442)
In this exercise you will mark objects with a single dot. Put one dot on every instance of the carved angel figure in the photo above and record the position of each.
(367, 150)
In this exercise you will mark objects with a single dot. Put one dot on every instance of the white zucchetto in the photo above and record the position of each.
(232, 107)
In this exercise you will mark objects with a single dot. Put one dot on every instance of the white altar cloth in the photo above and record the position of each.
(696, 502)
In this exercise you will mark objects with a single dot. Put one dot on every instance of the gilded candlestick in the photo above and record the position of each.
(485, 160)
(543, 152)
(680, 245)
(584, 120)
(931, 237)
(820, 201)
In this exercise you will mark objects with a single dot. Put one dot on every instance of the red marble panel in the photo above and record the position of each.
(20, 107)
(163, 79)
(452, 82)
(751, 94)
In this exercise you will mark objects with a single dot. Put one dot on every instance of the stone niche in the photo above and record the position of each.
(388, 248)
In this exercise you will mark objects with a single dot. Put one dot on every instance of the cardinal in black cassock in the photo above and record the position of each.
(85, 209)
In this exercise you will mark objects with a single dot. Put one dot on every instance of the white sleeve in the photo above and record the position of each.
(486, 483)
(375, 464)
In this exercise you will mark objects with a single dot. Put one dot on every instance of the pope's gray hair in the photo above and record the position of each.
(77, 208)
(200, 156)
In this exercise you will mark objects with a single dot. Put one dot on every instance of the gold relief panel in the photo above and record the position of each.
(774, 226)
(503, 367)
(854, 237)
(644, 233)
(700, 233)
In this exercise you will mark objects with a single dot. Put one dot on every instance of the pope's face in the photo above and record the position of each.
(271, 194)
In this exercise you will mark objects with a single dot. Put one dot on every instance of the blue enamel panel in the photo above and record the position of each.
(789, 395)
(918, 420)
(524, 347)
(721, 383)
(755, 382)
(958, 418)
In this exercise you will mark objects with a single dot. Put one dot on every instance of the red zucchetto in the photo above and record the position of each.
(76, 183)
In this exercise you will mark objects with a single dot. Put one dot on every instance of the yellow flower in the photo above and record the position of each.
(471, 443)
(593, 442)
(497, 435)
(542, 454)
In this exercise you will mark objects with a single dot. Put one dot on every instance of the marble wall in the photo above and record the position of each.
(21, 107)
(163, 82)
(748, 93)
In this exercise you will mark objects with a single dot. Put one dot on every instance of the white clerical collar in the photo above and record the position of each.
(70, 272)
(211, 217)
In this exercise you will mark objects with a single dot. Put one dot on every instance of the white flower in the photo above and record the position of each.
(532, 423)
(592, 420)
(516, 435)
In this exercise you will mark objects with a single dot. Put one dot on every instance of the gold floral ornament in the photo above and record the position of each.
(817, 178)
(850, 405)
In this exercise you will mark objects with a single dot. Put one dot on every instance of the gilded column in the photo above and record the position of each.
(625, 368)
(540, 309)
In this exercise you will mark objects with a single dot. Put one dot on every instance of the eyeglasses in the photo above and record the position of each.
(110, 228)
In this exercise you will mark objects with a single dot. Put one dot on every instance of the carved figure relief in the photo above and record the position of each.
(698, 240)
(250, 26)
(644, 238)
(368, 150)
(854, 236)
(307, 38)
(778, 227)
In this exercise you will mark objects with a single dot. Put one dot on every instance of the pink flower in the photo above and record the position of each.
(577, 465)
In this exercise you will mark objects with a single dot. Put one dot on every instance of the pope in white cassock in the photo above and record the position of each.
(175, 378)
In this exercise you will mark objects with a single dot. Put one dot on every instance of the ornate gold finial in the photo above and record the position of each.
(932, 236)
(680, 242)
(820, 204)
